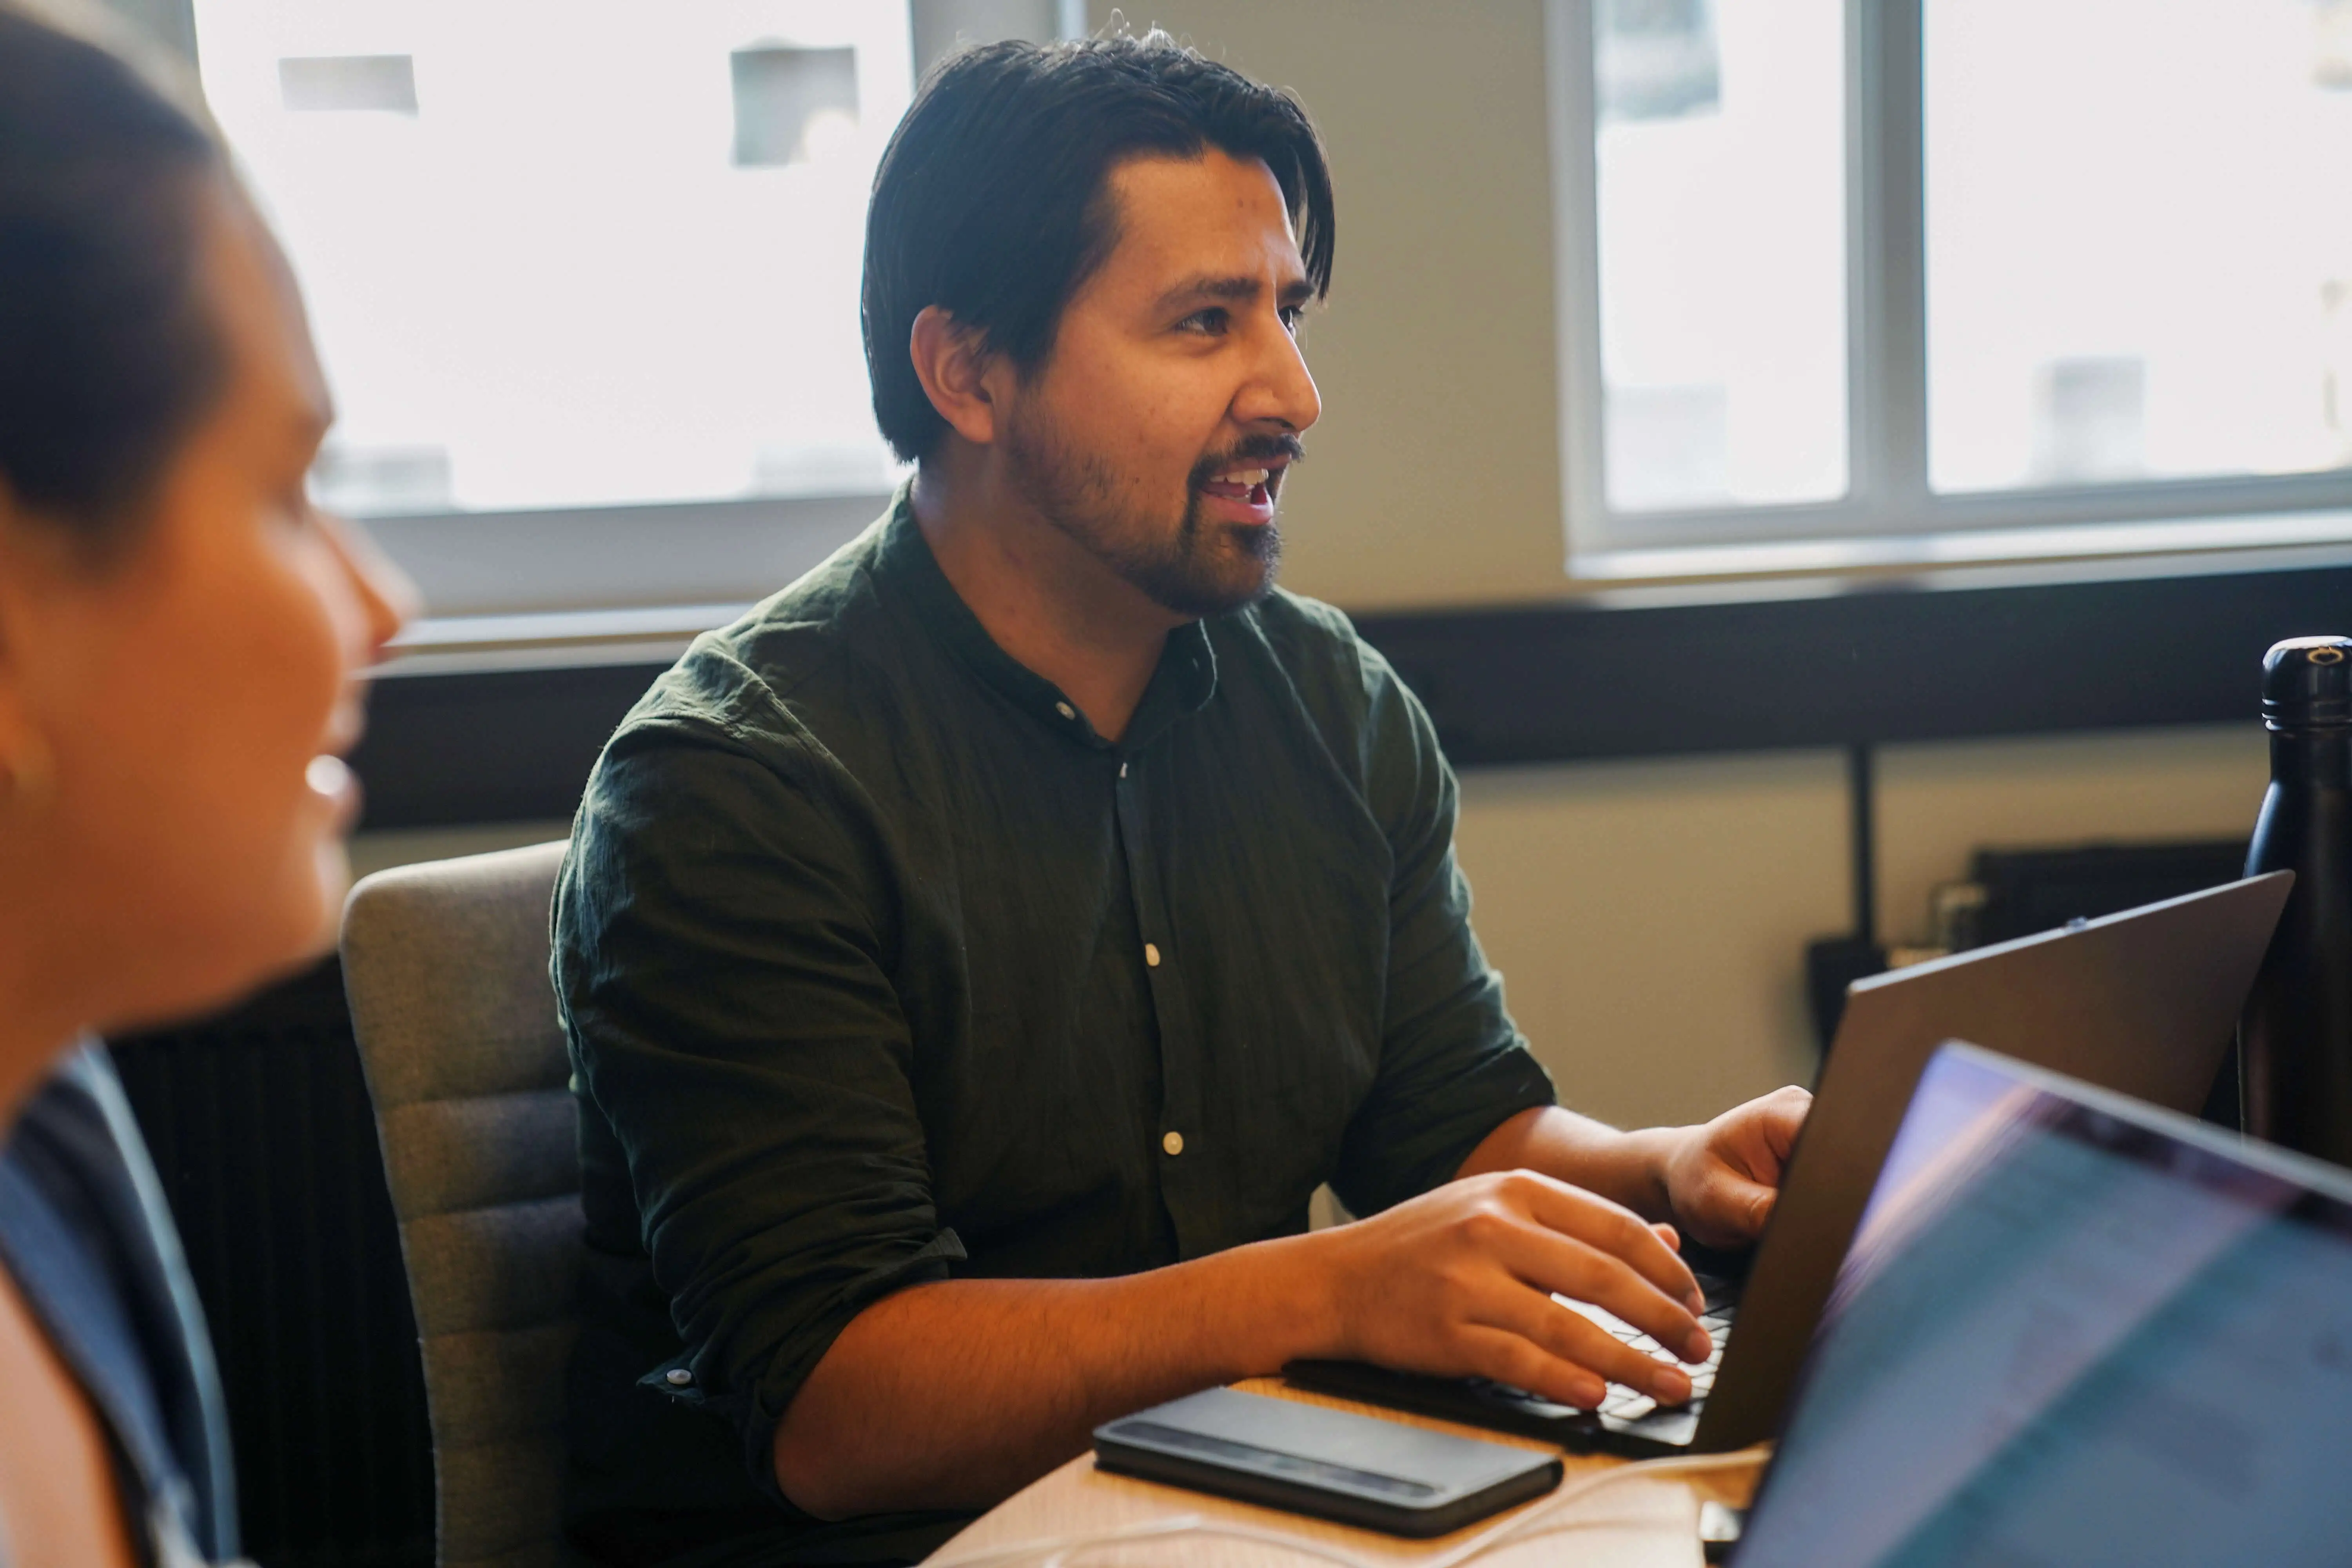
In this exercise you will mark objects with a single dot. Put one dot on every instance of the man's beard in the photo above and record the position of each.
(1202, 569)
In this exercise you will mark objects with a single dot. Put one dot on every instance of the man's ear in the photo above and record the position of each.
(954, 368)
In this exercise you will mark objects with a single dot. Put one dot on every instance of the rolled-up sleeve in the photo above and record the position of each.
(722, 956)
(1453, 1066)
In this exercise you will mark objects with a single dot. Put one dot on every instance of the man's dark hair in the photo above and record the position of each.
(107, 354)
(993, 201)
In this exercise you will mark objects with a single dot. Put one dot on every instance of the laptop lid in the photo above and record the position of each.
(2144, 1003)
(2073, 1328)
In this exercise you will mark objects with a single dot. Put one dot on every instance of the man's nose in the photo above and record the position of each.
(1281, 390)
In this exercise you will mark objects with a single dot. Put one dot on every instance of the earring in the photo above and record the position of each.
(30, 776)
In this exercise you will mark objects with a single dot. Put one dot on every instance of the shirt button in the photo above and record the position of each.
(1151, 957)
(678, 1376)
(1173, 1142)
(1066, 710)
(1122, 769)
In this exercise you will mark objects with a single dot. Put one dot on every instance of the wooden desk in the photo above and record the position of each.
(1640, 1524)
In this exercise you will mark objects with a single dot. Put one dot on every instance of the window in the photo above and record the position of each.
(584, 274)
(2158, 301)
(1718, 136)
(566, 255)
(1858, 282)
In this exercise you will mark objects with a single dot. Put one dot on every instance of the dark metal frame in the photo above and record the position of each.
(1563, 683)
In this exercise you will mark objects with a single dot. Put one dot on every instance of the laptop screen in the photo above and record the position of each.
(2063, 1336)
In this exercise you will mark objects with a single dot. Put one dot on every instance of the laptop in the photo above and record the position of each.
(2144, 1003)
(2073, 1328)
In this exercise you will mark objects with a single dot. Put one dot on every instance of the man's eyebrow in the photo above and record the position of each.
(1240, 286)
(1238, 289)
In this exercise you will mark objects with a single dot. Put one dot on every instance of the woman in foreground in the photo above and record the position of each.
(181, 639)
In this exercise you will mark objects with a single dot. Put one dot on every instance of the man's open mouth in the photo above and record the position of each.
(1252, 486)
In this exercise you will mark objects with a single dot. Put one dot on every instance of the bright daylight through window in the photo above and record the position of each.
(2139, 239)
(577, 254)
(1719, 153)
(1857, 281)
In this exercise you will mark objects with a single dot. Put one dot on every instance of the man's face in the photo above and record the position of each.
(1158, 430)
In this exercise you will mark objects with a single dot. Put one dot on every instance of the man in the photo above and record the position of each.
(976, 957)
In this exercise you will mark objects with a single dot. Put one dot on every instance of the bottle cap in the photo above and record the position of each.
(2308, 680)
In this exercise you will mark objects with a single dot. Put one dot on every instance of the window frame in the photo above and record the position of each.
(1889, 515)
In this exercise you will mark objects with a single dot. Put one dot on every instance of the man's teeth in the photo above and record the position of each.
(1245, 476)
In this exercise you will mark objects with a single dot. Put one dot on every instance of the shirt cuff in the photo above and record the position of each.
(756, 1405)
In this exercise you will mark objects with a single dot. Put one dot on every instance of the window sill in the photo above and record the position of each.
(1973, 558)
(1689, 577)
(550, 639)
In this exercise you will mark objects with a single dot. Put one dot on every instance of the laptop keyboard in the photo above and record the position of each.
(1625, 1413)
(1625, 1403)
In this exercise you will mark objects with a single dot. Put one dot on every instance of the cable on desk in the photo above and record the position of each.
(1052, 1551)
(1537, 1520)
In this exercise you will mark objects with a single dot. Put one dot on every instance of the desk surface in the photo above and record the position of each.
(1640, 1524)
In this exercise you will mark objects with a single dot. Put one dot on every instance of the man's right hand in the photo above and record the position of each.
(1459, 1282)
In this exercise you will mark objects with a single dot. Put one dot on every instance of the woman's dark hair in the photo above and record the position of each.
(107, 354)
(993, 202)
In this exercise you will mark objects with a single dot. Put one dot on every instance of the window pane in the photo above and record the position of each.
(2139, 239)
(1720, 149)
(568, 253)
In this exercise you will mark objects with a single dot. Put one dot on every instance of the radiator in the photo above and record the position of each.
(259, 1123)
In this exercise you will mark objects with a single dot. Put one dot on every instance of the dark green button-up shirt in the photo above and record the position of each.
(881, 966)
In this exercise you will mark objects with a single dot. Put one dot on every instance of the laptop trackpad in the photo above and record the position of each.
(1675, 1428)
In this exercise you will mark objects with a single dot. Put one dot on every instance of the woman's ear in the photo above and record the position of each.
(953, 366)
(27, 764)
(41, 566)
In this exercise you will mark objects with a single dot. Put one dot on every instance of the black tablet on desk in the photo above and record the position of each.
(1378, 1474)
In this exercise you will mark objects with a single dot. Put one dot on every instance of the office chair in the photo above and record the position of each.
(445, 965)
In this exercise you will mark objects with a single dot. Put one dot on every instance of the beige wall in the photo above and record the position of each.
(1937, 803)
(1648, 919)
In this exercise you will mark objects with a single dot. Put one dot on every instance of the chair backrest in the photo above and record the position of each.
(445, 965)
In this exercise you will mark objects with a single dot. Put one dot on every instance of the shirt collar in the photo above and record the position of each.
(1183, 683)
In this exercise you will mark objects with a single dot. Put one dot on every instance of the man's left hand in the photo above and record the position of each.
(1721, 1178)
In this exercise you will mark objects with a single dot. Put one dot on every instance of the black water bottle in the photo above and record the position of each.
(2295, 1043)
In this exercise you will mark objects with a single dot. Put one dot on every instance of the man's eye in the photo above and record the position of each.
(1291, 316)
(1207, 322)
